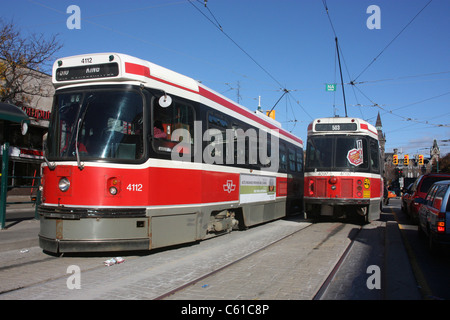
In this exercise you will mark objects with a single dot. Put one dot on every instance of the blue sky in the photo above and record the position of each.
(288, 44)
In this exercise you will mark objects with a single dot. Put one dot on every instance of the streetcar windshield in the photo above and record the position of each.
(347, 153)
(97, 124)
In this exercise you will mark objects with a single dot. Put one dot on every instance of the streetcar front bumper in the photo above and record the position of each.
(61, 246)
(81, 230)
(336, 201)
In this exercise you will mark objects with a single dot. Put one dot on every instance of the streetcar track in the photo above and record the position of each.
(323, 289)
(330, 232)
(25, 263)
(25, 286)
(43, 281)
(30, 285)
(193, 282)
(333, 231)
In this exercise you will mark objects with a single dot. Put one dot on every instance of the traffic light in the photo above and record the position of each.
(406, 160)
(395, 159)
(420, 159)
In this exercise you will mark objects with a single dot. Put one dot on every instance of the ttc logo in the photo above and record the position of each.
(229, 186)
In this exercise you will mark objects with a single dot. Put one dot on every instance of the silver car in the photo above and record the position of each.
(434, 214)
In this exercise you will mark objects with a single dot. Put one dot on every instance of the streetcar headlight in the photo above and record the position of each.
(113, 190)
(113, 186)
(64, 184)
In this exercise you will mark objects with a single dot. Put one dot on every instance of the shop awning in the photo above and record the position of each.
(12, 113)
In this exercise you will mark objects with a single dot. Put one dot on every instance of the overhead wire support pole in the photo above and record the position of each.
(340, 71)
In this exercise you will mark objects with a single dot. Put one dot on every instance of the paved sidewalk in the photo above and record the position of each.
(21, 229)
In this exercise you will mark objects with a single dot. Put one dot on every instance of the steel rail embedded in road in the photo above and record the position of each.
(323, 289)
(190, 283)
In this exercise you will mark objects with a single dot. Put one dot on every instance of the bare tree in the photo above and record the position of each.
(22, 63)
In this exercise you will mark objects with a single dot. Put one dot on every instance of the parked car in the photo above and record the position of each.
(419, 189)
(434, 214)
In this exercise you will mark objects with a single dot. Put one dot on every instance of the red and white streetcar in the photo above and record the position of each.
(343, 169)
(141, 157)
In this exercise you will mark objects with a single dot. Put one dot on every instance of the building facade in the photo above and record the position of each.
(26, 151)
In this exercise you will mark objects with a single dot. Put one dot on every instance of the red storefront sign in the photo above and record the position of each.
(37, 113)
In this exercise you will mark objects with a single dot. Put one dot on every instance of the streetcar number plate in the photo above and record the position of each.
(135, 187)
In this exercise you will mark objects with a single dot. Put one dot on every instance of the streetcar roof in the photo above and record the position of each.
(118, 67)
(341, 125)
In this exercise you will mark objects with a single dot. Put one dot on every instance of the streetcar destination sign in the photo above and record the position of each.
(336, 126)
(87, 72)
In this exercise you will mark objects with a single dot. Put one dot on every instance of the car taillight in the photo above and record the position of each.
(441, 226)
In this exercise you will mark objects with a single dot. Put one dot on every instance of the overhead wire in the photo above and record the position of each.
(353, 83)
(413, 124)
(374, 104)
(140, 39)
(387, 46)
(402, 77)
(216, 24)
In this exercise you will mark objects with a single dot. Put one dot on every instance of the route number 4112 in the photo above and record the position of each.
(135, 187)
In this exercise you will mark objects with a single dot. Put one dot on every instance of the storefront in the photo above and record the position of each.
(26, 151)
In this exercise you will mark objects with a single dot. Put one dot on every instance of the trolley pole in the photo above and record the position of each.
(4, 184)
(342, 80)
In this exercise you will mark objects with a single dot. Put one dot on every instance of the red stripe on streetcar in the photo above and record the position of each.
(137, 69)
(213, 97)
(366, 127)
(145, 71)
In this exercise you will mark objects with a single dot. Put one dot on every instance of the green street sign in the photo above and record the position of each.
(330, 87)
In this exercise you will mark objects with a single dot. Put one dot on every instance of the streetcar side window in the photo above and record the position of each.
(299, 161)
(166, 120)
(283, 158)
(374, 156)
(238, 153)
(264, 149)
(217, 127)
(292, 162)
